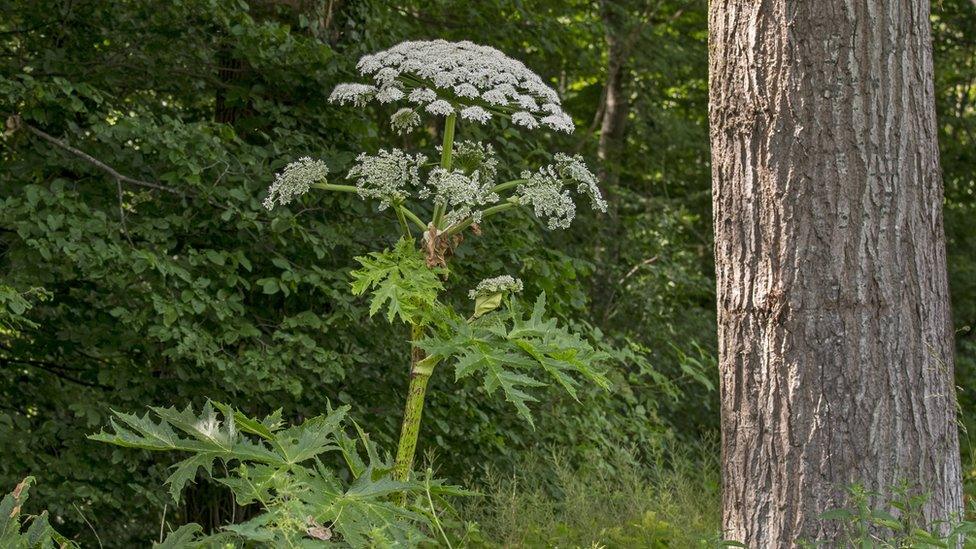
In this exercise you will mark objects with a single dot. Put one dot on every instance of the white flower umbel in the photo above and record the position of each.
(447, 77)
(462, 194)
(573, 168)
(440, 107)
(474, 156)
(357, 94)
(496, 285)
(404, 120)
(467, 188)
(476, 114)
(386, 175)
(295, 180)
(545, 190)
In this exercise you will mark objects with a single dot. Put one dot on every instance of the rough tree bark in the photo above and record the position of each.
(835, 340)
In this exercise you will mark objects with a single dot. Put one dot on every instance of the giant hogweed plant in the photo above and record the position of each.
(515, 349)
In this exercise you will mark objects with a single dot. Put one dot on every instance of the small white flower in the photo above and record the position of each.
(295, 180)
(523, 118)
(440, 107)
(368, 64)
(422, 95)
(466, 91)
(445, 79)
(560, 122)
(386, 76)
(495, 97)
(389, 94)
(505, 78)
(404, 120)
(527, 102)
(386, 175)
(357, 94)
(498, 284)
(476, 114)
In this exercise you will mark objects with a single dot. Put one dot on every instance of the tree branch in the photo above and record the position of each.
(16, 122)
(54, 369)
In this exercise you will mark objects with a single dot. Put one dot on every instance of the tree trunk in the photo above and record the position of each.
(614, 108)
(835, 340)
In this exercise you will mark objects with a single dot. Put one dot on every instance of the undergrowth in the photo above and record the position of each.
(665, 501)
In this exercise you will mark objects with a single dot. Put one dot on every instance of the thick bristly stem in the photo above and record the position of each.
(414, 408)
(447, 149)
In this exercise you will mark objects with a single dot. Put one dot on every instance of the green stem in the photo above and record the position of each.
(447, 149)
(413, 410)
(413, 217)
(403, 221)
(332, 187)
(507, 185)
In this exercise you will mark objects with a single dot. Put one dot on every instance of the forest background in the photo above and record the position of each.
(167, 283)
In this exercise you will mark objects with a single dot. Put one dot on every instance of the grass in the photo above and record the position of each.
(669, 501)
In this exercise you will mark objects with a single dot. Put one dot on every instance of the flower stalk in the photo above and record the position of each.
(413, 408)
(446, 150)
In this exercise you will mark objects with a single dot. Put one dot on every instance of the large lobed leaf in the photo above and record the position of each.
(304, 503)
(517, 353)
(400, 281)
(210, 436)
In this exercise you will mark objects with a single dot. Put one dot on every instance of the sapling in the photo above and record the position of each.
(455, 83)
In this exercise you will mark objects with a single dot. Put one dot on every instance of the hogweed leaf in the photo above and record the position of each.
(314, 437)
(509, 350)
(39, 533)
(264, 428)
(185, 471)
(143, 433)
(400, 281)
(206, 427)
(10, 508)
(181, 538)
(298, 494)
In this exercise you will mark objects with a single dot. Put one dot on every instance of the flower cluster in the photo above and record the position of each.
(443, 78)
(497, 285)
(404, 120)
(466, 188)
(386, 175)
(545, 190)
(295, 180)
(573, 168)
(461, 193)
(477, 159)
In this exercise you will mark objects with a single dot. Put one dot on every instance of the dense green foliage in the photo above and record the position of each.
(281, 469)
(138, 267)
